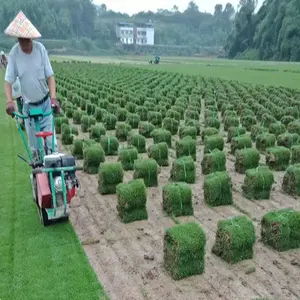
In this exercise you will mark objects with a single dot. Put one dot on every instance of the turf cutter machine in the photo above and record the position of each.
(53, 178)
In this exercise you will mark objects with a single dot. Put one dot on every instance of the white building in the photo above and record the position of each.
(140, 34)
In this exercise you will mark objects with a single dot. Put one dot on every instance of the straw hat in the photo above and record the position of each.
(21, 27)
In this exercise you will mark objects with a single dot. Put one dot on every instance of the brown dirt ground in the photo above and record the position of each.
(117, 251)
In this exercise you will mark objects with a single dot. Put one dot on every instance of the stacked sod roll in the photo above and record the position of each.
(246, 159)
(77, 149)
(127, 156)
(93, 155)
(122, 131)
(96, 131)
(146, 169)
(184, 170)
(240, 142)
(138, 141)
(264, 141)
(110, 144)
(295, 159)
(213, 142)
(278, 158)
(291, 180)
(162, 135)
(145, 129)
(186, 147)
(235, 132)
(288, 139)
(213, 162)
(159, 152)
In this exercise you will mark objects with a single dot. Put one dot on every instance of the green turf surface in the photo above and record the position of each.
(36, 262)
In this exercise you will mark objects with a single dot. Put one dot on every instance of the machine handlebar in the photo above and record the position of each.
(48, 170)
(27, 117)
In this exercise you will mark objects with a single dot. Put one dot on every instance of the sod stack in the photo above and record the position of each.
(213, 142)
(280, 229)
(87, 122)
(277, 129)
(286, 120)
(288, 139)
(248, 121)
(213, 162)
(246, 159)
(256, 130)
(96, 131)
(67, 134)
(208, 132)
(77, 149)
(162, 135)
(110, 121)
(171, 125)
(231, 121)
(258, 183)
(264, 141)
(58, 123)
(127, 156)
(188, 131)
(177, 199)
(291, 180)
(110, 175)
(295, 154)
(122, 131)
(77, 115)
(145, 129)
(183, 170)
(110, 144)
(235, 132)
(235, 239)
(186, 147)
(193, 123)
(132, 199)
(133, 120)
(240, 142)
(218, 189)
(159, 152)
(184, 250)
(138, 141)
(278, 158)
(121, 114)
(92, 157)
(146, 169)
(294, 127)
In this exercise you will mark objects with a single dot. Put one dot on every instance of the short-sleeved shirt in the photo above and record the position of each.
(32, 69)
(16, 89)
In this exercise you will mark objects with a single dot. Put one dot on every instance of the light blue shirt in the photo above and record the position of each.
(32, 69)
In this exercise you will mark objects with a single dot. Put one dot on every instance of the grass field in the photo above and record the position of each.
(35, 262)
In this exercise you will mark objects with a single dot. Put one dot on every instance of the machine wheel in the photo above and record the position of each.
(44, 217)
(34, 188)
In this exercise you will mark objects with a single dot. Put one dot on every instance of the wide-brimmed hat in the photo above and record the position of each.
(21, 27)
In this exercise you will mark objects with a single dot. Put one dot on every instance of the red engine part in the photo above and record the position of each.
(70, 194)
(43, 190)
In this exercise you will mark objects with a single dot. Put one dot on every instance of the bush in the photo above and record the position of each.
(92, 157)
(278, 158)
(96, 132)
(110, 145)
(159, 152)
(137, 141)
(280, 229)
(110, 121)
(68, 134)
(132, 199)
(177, 199)
(235, 239)
(110, 175)
(248, 122)
(145, 129)
(171, 125)
(188, 131)
(291, 180)
(162, 135)
(258, 183)
(256, 130)
(217, 189)
(240, 142)
(77, 149)
(277, 129)
(122, 131)
(77, 115)
(264, 141)
(288, 139)
(295, 154)
(127, 156)
(213, 142)
(186, 147)
(246, 159)
(133, 120)
(235, 132)
(146, 169)
(184, 250)
(183, 169)
(208, 132)
(213, 162)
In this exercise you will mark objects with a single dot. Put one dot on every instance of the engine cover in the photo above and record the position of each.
(58, 160)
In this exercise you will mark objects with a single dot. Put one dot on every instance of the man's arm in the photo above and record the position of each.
(8, 91)
(10, 78)
(52, 87)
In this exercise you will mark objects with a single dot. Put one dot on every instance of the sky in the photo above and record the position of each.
(133, 6)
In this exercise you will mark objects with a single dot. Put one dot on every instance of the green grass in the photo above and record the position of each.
(36, 262)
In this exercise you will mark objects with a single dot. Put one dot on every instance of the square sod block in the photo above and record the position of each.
(280, 229)
(177, 199)
(213, 122)
(214, 162)
(159, 152)
(277, 128)
(162, 135)
(248, 121)
(146, 169)
(235, 239)
(240, 142)
(171, 125)
(230, 121)
(291, 180)
(132, 199)
(208, 132)
(184, 250)
(294, 127)
(138, 141)
(186, 147)
(218, 189)
(256, 130)
(188, 131)
(122, 131)
(288, 140)
(258, 183)
(92, 157)
(183, 170)
(213, 142)
(77, 149)
(110, 175)
(234, 132)
(295, 154)
(110, 144)
(246, 159)
(127, 156)
(278, 158)
(145, 129)
(264, 141)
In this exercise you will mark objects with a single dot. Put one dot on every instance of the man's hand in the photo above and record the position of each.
(10, 108)
(55, 105)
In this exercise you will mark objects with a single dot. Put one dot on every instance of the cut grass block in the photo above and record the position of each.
(208, 132)
(194, 123)
(240, 142)
(77, 149)
(235, 132)
(133, 120)
(92, 157)
(127, 156)
(264, 141)
(294, 127)
(145, 129)
(235, 239)
(110, 144)
(256, 130)
(96, 131)
(258, 183)
(286, 120)
(278, 158)
(218, 189)
(162, 135)
(213, 122)
(68, 134)
(280, 229)
(277, 128)
(213, 142)
(213, 162)
(177, 199)
(122, 131)
(248, 121)
(291, 180)
(110, 175)
(132, 199)
(188, 131)
(184, 250)
(138, 141)
(171, 125)
(295, 154)
(183, 170)
(159, 152)
(186, 147)
(110, 121)
(231, 121)
(246, 159)
(288, 139)
(146, 169)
